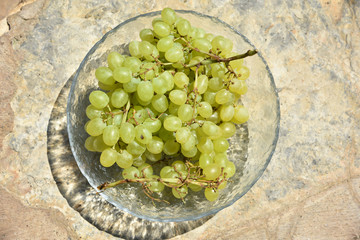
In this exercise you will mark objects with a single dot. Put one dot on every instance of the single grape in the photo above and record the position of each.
(155, 186)
(136, 148)
(183, 27)
(230, 169)
(153, 125)
(227, 112)
(142, 134)
(133, 63)
(178, 97)
(89, 144)
(145, 91)
(162, 29)
(211, 194)
(111, 135)
(122, 74)
(134, 49)
(228, 129)
(119, 98)
(127, 132)
(179, 165)
(221, 144)
(108, 157)
(168, 15)
(241, 114)
(155, 145)
(125, 159)
(204, 160)
(171, 147)
(131, 173)
(181, 79)
(165, 171)
(147, 35)
(221, 159)
(146, 170)
(99, 144)
(212, 171)
(172, 123)
(95, 127)
(180, 192)
(205, 109)
(98, 99)
(93, 112)
(182, 134)
(174, 54)
(115, 60)
(104, 75)
(165, 43)
(185, 112)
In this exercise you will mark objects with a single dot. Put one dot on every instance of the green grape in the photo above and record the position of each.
(215, 84)
(195, 187)
(155, 20)
(125, 159)
(209, 97)
(89, 144)
(221, 159)
(142, 134)
(153, 125)
(211, 194)
(244, 73)
(169, 80)
(172, 123)
(108, 157)
(179, 165)
(205, 109)
(221, 145)
(136, 148)
(140, 101)
(146, 170)
(171, 147)
(241, 114)
(178, 97)
(153, 55)
(165, 134)
(127, 132)
(93, 112)
(174, 54)
(230, 169)
(223, 184)
(202, 44)
(98, 99)
(204, 160)
(139, 160)
(180, 192)
(119, 98)
(168, 15)
(190, 154)
(183, 27)
(165, 43)
(238, 86)
(131, 86)
(210, 128)
(145, 48)
(181, 79)
(117, 119)
(155, 145)
(205, 145)
(134, 49)
(202, 84)
(145, 91)
(109, 87)
(104, 75)
(148, 70)
(99, 144)
(223, 96)
(133, 64)
(185, 112)
(228, 129)
(165, 171)
(218, 70)
(173, 108)
(131, 173)
(115, 60)
(227, 112)
(160, 103)
(152, 156)
(122, 74)
(159, 85)
(155, 186)
(182, 134)
(212, 171)
(162, 29)
(147, 35)
(189, 144)
(95, 127)
(111, 135)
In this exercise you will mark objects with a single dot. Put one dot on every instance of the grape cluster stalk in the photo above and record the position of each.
(175, 99)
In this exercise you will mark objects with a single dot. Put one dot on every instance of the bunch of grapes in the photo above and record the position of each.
(175, 99)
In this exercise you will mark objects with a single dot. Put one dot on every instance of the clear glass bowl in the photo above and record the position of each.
(251, 148)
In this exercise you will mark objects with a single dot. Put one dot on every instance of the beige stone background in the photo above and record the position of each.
(310, 190)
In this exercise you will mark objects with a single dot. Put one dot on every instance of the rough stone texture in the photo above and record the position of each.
(310, 190)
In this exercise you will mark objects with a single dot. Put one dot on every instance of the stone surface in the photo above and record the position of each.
(310, 190)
